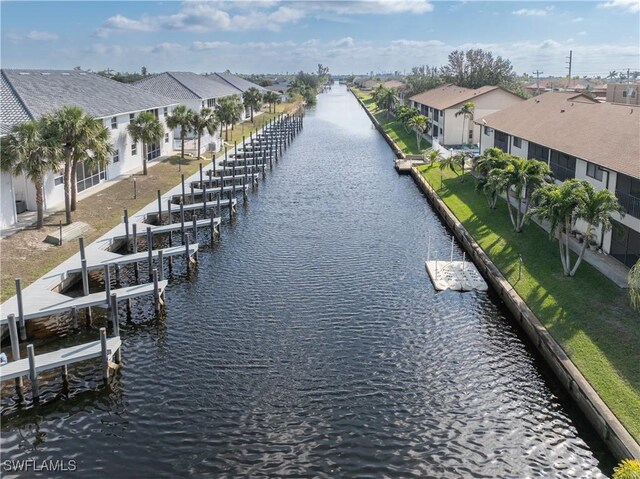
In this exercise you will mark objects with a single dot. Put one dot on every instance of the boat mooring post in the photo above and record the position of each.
(126, 227)
(159, 208)
(23, 326)
(149, 250)
(33, 375)
(115, 317)
(156, 290)
(104, 354)
(15, 348)
(107, 283)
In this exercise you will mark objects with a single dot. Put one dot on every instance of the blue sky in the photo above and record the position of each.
(346, 36)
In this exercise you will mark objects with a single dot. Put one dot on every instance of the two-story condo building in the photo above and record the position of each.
(196, 92)
(579, 138)
(441, 105)
(30, 94)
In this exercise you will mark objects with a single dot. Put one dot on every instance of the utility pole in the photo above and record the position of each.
(569, 62)
(537, 73)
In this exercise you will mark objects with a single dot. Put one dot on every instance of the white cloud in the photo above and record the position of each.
(530, 12)
(166, 47)
(102, 49)
(205, 16)
(34, 35)
(209, 45)
(632, 6)
(577, 20)
(346, 42)
(417, 43)
(45, 36)
(582, 33)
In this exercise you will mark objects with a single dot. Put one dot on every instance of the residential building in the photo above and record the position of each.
(281, 88)
(398, 86)
(441, 104)
(624, 93)
(596, 90)
(241, 84)
(580, 138)
(196, 92)
(30, 94)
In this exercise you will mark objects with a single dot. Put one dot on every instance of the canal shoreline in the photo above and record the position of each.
(606, 424)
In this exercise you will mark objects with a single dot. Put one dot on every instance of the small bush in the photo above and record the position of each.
(627, 469)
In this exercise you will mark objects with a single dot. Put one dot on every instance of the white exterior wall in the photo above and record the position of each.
(7, 201)
(24, 190)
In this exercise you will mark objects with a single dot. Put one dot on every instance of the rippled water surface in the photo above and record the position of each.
(310, 342)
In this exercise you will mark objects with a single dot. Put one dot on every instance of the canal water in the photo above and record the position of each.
(310, 343)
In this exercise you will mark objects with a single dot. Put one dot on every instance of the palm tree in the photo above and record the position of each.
(433, 156)
(229, 112)
(523, 177)
(491, 160)
(204, 121)
(387, 99)
(454, 161)
(252, 98)
(419, 124)
(30, 149)
(634, 285)
(146, 128)
(467, 112)
(77, 134)
(183, 118)
(595, 209)
(271, 98)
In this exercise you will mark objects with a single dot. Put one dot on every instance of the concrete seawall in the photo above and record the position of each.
(606, 424)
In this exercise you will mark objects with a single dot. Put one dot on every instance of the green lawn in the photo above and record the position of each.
(406, 140)
(587, 314)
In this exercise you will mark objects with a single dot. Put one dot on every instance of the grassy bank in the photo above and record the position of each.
(588, 314)
(406, 140)
(25, 255)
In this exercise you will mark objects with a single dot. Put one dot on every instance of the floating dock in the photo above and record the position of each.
(454, 275)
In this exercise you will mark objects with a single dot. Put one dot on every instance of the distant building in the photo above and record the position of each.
(281, 88)
(597, 90)
(624, 93)
(441, 105)
(579, 138)
(30, 94)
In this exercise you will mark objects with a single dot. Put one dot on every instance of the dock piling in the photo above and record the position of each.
(149, 250)
(23, 326)
(15, 348)
(159, 208)
(107, 282)
(74, 317)
(156, 289)
(33, 375)
(104, 353)
(126, 227)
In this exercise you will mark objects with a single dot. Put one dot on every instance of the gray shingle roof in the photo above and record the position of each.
(240, 83)
(45, 91)
(187, 86)
(12, 111)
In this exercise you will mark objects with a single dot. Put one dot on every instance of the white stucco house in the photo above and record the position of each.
(579, 138)
(441, 104)
(30, 94)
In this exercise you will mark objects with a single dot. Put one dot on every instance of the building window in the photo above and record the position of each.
(115, 156)
(628, 193)
(501, 140)
(114, 123)
(487, 130)
(470, 135)
(517, 142)
(441, 131)
(594, 171)
(134, 149)
(58, 180)
(165, 111)
(436, 114)
(211, 102)
(538, 152)
(132, 117)
(166, 137)
(562, 165)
